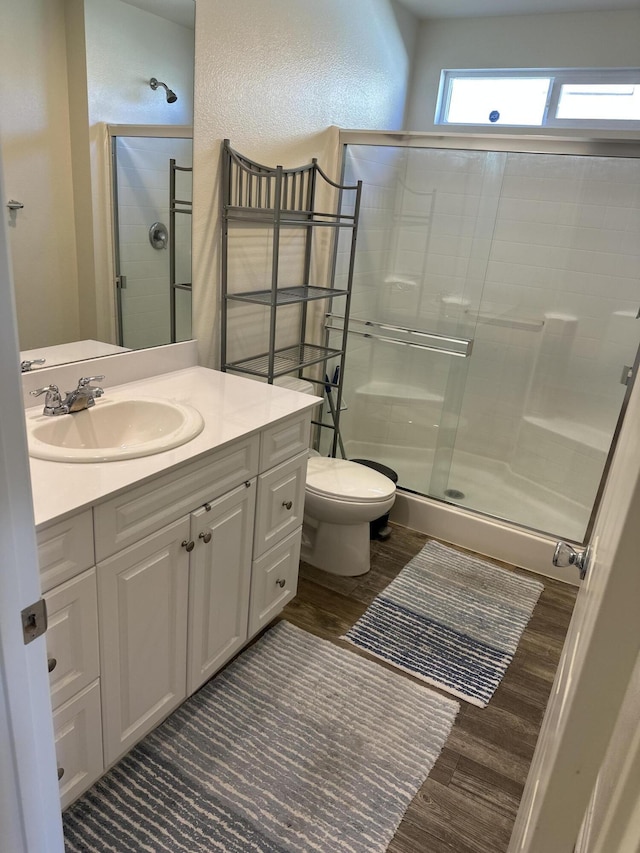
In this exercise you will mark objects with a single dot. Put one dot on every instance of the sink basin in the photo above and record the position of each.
(113, 429)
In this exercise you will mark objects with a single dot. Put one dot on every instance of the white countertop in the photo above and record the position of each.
(74, 351)
(232, 407)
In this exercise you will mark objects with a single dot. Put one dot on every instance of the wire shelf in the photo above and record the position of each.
(288, 218)
(287, 295)
(285, 360)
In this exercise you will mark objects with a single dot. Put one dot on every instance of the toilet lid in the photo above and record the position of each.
(347, 481)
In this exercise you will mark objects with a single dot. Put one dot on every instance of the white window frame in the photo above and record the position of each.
(559, 77)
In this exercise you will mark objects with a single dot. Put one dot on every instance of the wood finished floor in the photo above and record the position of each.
(469, 802)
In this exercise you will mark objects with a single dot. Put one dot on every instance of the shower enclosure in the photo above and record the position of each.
(152, 191)
(493, 333)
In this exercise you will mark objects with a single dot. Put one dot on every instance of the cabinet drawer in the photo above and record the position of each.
(129, 517)
(280, 503)
(274, 581)
(72, 636)
(284, 440)
(65, 549)
(77, 728)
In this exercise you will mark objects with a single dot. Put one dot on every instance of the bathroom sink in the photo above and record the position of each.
(113, 429)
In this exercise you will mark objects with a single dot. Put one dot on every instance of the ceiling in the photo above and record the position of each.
(179, 11)
(486, 8)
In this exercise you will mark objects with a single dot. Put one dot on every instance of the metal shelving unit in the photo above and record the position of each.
(281, 199)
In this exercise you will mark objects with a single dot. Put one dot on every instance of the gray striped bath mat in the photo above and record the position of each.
(298, 745)
(451, 620)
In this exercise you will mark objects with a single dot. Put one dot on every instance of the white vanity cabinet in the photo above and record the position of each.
(183, 570)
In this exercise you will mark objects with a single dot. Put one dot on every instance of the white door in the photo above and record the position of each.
(29, 800)
(219, 582)
(596, 665)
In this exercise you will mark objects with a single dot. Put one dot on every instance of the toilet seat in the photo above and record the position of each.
(339, 479)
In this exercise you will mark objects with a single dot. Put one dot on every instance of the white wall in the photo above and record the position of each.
(34, 134)
(272, 76)
(572, 39)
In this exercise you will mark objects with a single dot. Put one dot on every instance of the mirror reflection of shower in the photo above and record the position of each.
(152, 184)
(171, 96)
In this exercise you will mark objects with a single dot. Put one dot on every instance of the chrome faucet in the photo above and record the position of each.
(83, 397)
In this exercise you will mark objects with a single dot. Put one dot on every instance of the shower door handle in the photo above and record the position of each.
(566, 555)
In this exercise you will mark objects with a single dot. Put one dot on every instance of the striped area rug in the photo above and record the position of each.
(451, 620)
(298, 745)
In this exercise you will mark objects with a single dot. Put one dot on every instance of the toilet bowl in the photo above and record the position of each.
(341, 499)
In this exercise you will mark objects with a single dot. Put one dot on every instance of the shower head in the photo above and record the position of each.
(171, 96)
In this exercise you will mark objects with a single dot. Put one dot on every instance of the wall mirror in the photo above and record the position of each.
(96, 146)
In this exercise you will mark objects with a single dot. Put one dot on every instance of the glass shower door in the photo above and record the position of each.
(425, 228)
(556, 336)
(532, 258)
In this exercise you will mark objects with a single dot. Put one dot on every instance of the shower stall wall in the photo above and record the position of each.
(494, 324)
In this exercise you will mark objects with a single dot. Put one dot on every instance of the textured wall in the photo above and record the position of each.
(272, 76)
(572, 39)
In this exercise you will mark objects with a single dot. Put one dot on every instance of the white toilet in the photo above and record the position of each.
(341, 498)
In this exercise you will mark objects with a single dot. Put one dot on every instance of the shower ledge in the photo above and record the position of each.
(395, 391)
(588, 436)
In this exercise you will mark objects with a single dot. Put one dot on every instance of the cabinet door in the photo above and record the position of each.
(219, 583)
(274, 581)
(72, 636)
(142, 602)
(280, 503)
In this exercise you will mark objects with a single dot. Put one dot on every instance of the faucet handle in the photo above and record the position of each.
(48, 389)
(84, 384)
(53, 404)
(85, 381)
(25, 366)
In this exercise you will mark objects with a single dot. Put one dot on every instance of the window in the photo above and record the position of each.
(541, 97)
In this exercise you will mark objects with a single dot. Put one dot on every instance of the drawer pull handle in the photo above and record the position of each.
(281, 582)
(247, 483)
(52, 663)
(60, 773)
(287, 504)
(189, 544)
(206, 537)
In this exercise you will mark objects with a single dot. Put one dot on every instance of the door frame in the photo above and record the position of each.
(29, 795)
